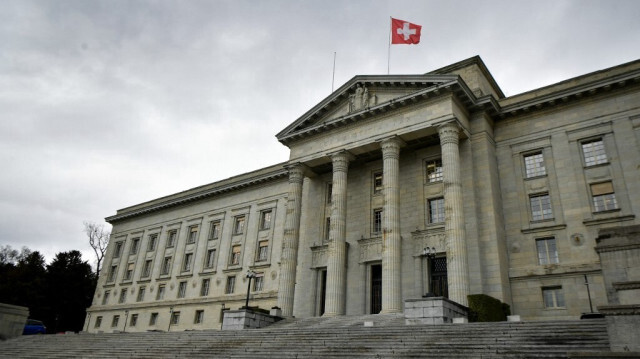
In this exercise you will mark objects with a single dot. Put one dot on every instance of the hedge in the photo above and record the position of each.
(483, 308)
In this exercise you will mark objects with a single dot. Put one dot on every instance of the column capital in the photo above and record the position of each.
(297, 171)
(341, 160)
(393, 143)
(449, 132)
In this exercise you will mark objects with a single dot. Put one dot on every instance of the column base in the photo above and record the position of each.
(390, 311)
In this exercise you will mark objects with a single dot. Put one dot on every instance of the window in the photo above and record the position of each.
(118, 251)
(171, 238)
(115, 320)
(594, 153)
(214, 230)
(186, 265)
(231, 283)
(434, 171)
(377, 220)
(193, 234)
(98, 322)
(182, 289)
(547, 253)
(211, 258)
(153, 240)
(105, 297)
(235, 255)
(166, 266)
(604, 199)
(123, 295)
(153, 319)
(327, 228)
(175, 318)
(263, 251)
(161, 290)
(329, 192)
(141, 291)
(541, 207)
(199, 317)
(553, 297)
(265, 220)
(238, 227)
(534, 165)
(436, 210)
(135, 243)
(258, 282)
(134, 320)
(128, 274)
(204, 288)
(146, 269)
(112, 273)
(377, 183)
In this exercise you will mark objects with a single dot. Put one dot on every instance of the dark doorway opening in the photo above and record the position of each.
(439, 286)
(376, 288)
(323, 291)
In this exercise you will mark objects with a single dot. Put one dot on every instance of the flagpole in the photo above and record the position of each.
(334, 71)
(389, 50)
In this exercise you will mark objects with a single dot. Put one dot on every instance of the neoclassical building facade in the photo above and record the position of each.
(397, 187)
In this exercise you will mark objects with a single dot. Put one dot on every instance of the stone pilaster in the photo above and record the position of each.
(457, 267)
(289, 257)
(391, 241)
(337, 256)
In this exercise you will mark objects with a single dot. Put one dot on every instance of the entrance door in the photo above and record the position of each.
(439, 286)
(376, 288)
(323, 291)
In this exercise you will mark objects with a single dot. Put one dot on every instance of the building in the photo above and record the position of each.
(397, 186)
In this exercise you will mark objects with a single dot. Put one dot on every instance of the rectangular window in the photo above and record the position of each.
(258, 282)
(128, 274)
(436, 210)
(134, 320)
(377, 182)
(186, 265)
(327, 229)
(541, 207)
(193, 234)
(112, 273)
(263, 251)
(594, 152)
(161, 290)
(153, 241)
(604, 199)
(547, 253)
(105, 297)
(214, 230)
(141, 292)
(553, 297)
(377, 221)
(211, 258)
(434, 171)
(166, 266)
(265, 220)
(123, 295)
(199, 317)
(534, 165)
(238, 227)
(235, 255)
(146, 269)
(98, 322)
(329, 192)
(171, 238)
(231, 284)
(135, 243)
(182, 289)
(118, 251)
(204, 288)
(115, 320)
(153, 319)
(175, 318)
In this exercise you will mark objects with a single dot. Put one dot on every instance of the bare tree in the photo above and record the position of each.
(98, 240)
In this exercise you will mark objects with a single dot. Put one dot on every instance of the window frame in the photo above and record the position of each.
(210, 259)
(141, 293)
(152, 242)
(376, 221)
(175, 317)
(135, 245)
(128, 273)
(123, 295)
(263, 251)
(534, 164)
(115, 320)
(258, 282)
(556, 295)
(134, 320)
(192, 237)
(239, 224)
(198, 318)
(98, 322)
(205, 285)
(378, 182)
(153, 319)
(594, 157)
(182, 290)
(604, 198)
(187, 262)
(172, 237)
(162, 289)
(433, 170)
(146, 268)
(550, 254)
(539, 212)
(230, 285)
(105, 297)
(266, 216)
(214, 229)
(234, 259)
(166, 266)
(117, 252)
(438, 216)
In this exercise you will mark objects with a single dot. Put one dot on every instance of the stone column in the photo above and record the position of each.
(391, 241)
(457, 267)
(337, 251)
(289, 256)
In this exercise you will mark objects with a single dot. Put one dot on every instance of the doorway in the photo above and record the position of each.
(376, 288)
(323, 291)
(438, 269)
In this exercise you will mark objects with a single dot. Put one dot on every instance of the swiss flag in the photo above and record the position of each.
(403, 32)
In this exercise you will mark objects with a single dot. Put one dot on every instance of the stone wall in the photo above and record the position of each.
(12, 320)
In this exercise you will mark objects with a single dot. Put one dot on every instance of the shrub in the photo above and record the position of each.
(483, 308)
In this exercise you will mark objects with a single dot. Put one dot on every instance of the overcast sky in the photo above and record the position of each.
(106, 104)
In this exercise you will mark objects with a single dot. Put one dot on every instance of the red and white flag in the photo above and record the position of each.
(403, 32)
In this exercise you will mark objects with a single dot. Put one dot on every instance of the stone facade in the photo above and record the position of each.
(508, 192)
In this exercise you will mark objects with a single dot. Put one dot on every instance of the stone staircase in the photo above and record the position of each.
(340, 337)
